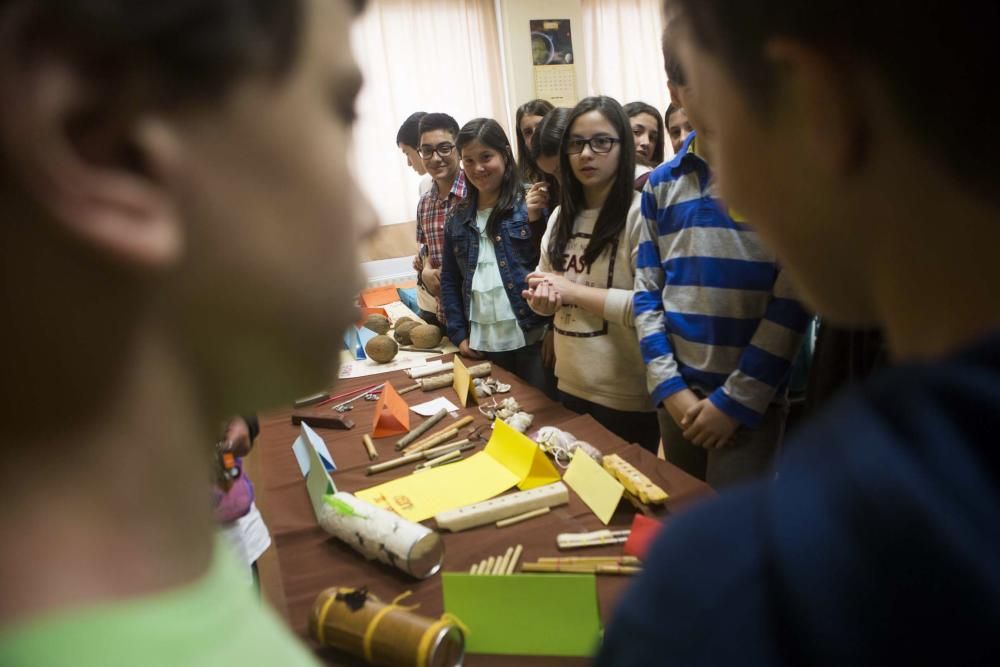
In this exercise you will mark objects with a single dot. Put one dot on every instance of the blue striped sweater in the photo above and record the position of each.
(714, 312)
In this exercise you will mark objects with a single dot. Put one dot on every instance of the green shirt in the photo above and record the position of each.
(214, 621)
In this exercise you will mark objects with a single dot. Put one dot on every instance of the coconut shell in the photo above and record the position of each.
(426, 336)
(381, 349)
(404, 320)
(377, 323)
(403, 332)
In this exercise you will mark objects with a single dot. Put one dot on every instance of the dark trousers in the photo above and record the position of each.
(750, 457)
(526, 363)
(636, 427)
(432, 318)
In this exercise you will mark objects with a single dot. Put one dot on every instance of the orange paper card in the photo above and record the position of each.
(392, 415)
(462, 384)
(379, 296)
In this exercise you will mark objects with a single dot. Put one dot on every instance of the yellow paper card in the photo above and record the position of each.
(422, 495)
(462, 384)
(599, 490)
(521, 456)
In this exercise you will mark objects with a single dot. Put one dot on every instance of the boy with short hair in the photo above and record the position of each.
(438, 132)
(407, 139)
(170, 180)
(877, 542)
(717, 322)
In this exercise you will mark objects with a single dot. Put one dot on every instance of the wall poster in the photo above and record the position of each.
(552, 56)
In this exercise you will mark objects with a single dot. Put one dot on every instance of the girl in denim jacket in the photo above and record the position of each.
(491, 244)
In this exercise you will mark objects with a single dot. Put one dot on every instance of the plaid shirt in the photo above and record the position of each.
(432, 212)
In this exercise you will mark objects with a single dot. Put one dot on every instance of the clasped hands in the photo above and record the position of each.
(547, 292)
(703, 424)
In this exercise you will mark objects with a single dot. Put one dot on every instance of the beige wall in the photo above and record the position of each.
(391, 241)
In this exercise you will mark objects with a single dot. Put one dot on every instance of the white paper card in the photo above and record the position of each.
(431, 408)
(249, 539)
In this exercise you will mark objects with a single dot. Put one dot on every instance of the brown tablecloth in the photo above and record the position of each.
(304, 560)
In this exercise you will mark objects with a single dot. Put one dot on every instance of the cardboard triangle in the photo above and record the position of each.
(521, 456)
(542, 472)
(462, 384)
(392, 414)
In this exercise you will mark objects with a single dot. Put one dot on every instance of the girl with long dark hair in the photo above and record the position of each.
(545, 150)
(491, 244)
(648, 136)
(529, 115)
(586, 274)
(546, 147)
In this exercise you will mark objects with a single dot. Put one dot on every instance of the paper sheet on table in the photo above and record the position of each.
(431, 408)
(596, 487)
(526, 614)
(509, 459)
(354, 368)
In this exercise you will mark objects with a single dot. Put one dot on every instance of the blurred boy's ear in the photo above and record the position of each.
(86, 163)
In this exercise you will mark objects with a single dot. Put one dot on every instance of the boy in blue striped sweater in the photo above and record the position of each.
(717, 322)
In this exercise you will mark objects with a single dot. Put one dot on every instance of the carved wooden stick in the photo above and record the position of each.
(446, 380)
(420, 430)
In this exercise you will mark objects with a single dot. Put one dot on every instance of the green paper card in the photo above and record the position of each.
(526, 614)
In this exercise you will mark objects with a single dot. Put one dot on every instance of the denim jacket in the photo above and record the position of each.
(517, 248)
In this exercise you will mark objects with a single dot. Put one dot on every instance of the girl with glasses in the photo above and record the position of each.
(586, 274)
(491, 244)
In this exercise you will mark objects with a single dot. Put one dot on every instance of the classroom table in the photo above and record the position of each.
(304, 560)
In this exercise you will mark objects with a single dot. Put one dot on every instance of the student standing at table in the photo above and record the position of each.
(408, 139)
(490, 247)
(528, 116)
(877, 543)
(438, 132)
(170, 180)
(678, 126)
(649, 137)
(717, 320)
(586, 274)
(545, 151)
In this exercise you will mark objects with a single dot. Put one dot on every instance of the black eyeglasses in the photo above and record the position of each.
(442, 149)
(599, 145)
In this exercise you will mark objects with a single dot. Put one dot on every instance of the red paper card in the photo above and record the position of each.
(644, 531)
(392, 414)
